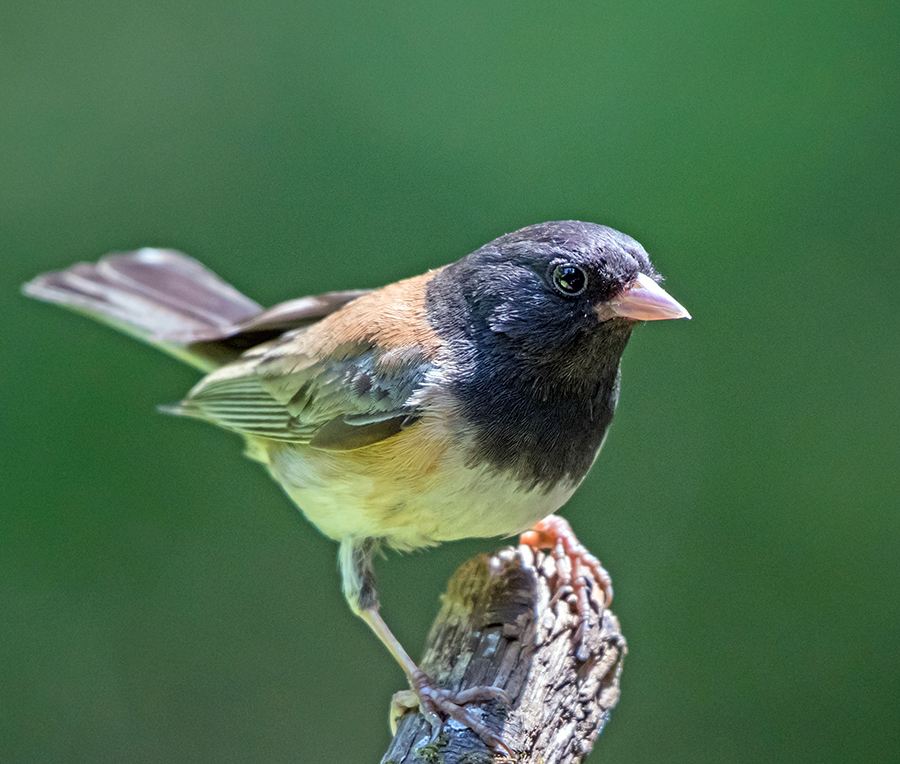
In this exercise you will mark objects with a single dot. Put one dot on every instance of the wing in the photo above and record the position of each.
(355, 396)
(345, 382)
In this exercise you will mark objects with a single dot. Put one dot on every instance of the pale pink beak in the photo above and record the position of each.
(645, 300)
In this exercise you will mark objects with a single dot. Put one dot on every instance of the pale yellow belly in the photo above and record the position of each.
(413, 490)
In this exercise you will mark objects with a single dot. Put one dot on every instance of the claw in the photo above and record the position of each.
(437, 704)
(575, 568)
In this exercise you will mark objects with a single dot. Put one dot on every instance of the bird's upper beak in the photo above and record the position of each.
(644, 300)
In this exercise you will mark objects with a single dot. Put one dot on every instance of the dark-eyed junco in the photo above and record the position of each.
(469, 401)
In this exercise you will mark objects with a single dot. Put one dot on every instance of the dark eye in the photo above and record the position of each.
(569, 279)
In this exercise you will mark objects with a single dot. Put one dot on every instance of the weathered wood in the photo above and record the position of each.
(501, 625)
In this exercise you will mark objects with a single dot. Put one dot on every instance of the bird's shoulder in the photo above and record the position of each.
(391, 318)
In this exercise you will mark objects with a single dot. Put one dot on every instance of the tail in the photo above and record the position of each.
(174, 303)
(159, 296)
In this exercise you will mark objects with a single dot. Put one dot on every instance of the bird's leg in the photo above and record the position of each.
(435, 703)
(574, 563)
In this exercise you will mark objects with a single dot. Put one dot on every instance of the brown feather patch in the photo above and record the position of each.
(393, 317)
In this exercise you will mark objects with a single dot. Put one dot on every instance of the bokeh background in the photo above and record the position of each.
(161, 600)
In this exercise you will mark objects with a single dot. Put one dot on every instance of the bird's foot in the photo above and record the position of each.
(575, 566)
(438, 704)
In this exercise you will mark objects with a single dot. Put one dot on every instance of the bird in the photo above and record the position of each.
(469, 401)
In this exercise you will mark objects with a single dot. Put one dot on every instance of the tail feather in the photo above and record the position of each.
(177, 305)
(170, 279)
(157, 295)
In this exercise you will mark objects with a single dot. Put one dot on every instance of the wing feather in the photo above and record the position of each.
(353, 397)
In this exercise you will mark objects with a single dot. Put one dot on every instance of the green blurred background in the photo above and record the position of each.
(161, 600)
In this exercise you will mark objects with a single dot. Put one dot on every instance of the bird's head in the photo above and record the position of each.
(563, 294)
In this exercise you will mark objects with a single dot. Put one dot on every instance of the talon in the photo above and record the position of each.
(576, 568)
(571, 556)
(437, 703)
(402, 702)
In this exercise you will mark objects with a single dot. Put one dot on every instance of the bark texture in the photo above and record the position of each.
(503, 623)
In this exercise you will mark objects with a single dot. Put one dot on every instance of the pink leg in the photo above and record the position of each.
(575, 566)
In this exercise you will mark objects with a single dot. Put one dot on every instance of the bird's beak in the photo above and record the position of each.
(644, 300)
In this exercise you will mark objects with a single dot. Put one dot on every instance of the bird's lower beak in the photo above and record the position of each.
(645, 300)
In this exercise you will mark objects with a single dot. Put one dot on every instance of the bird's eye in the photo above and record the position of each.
(569, 279)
